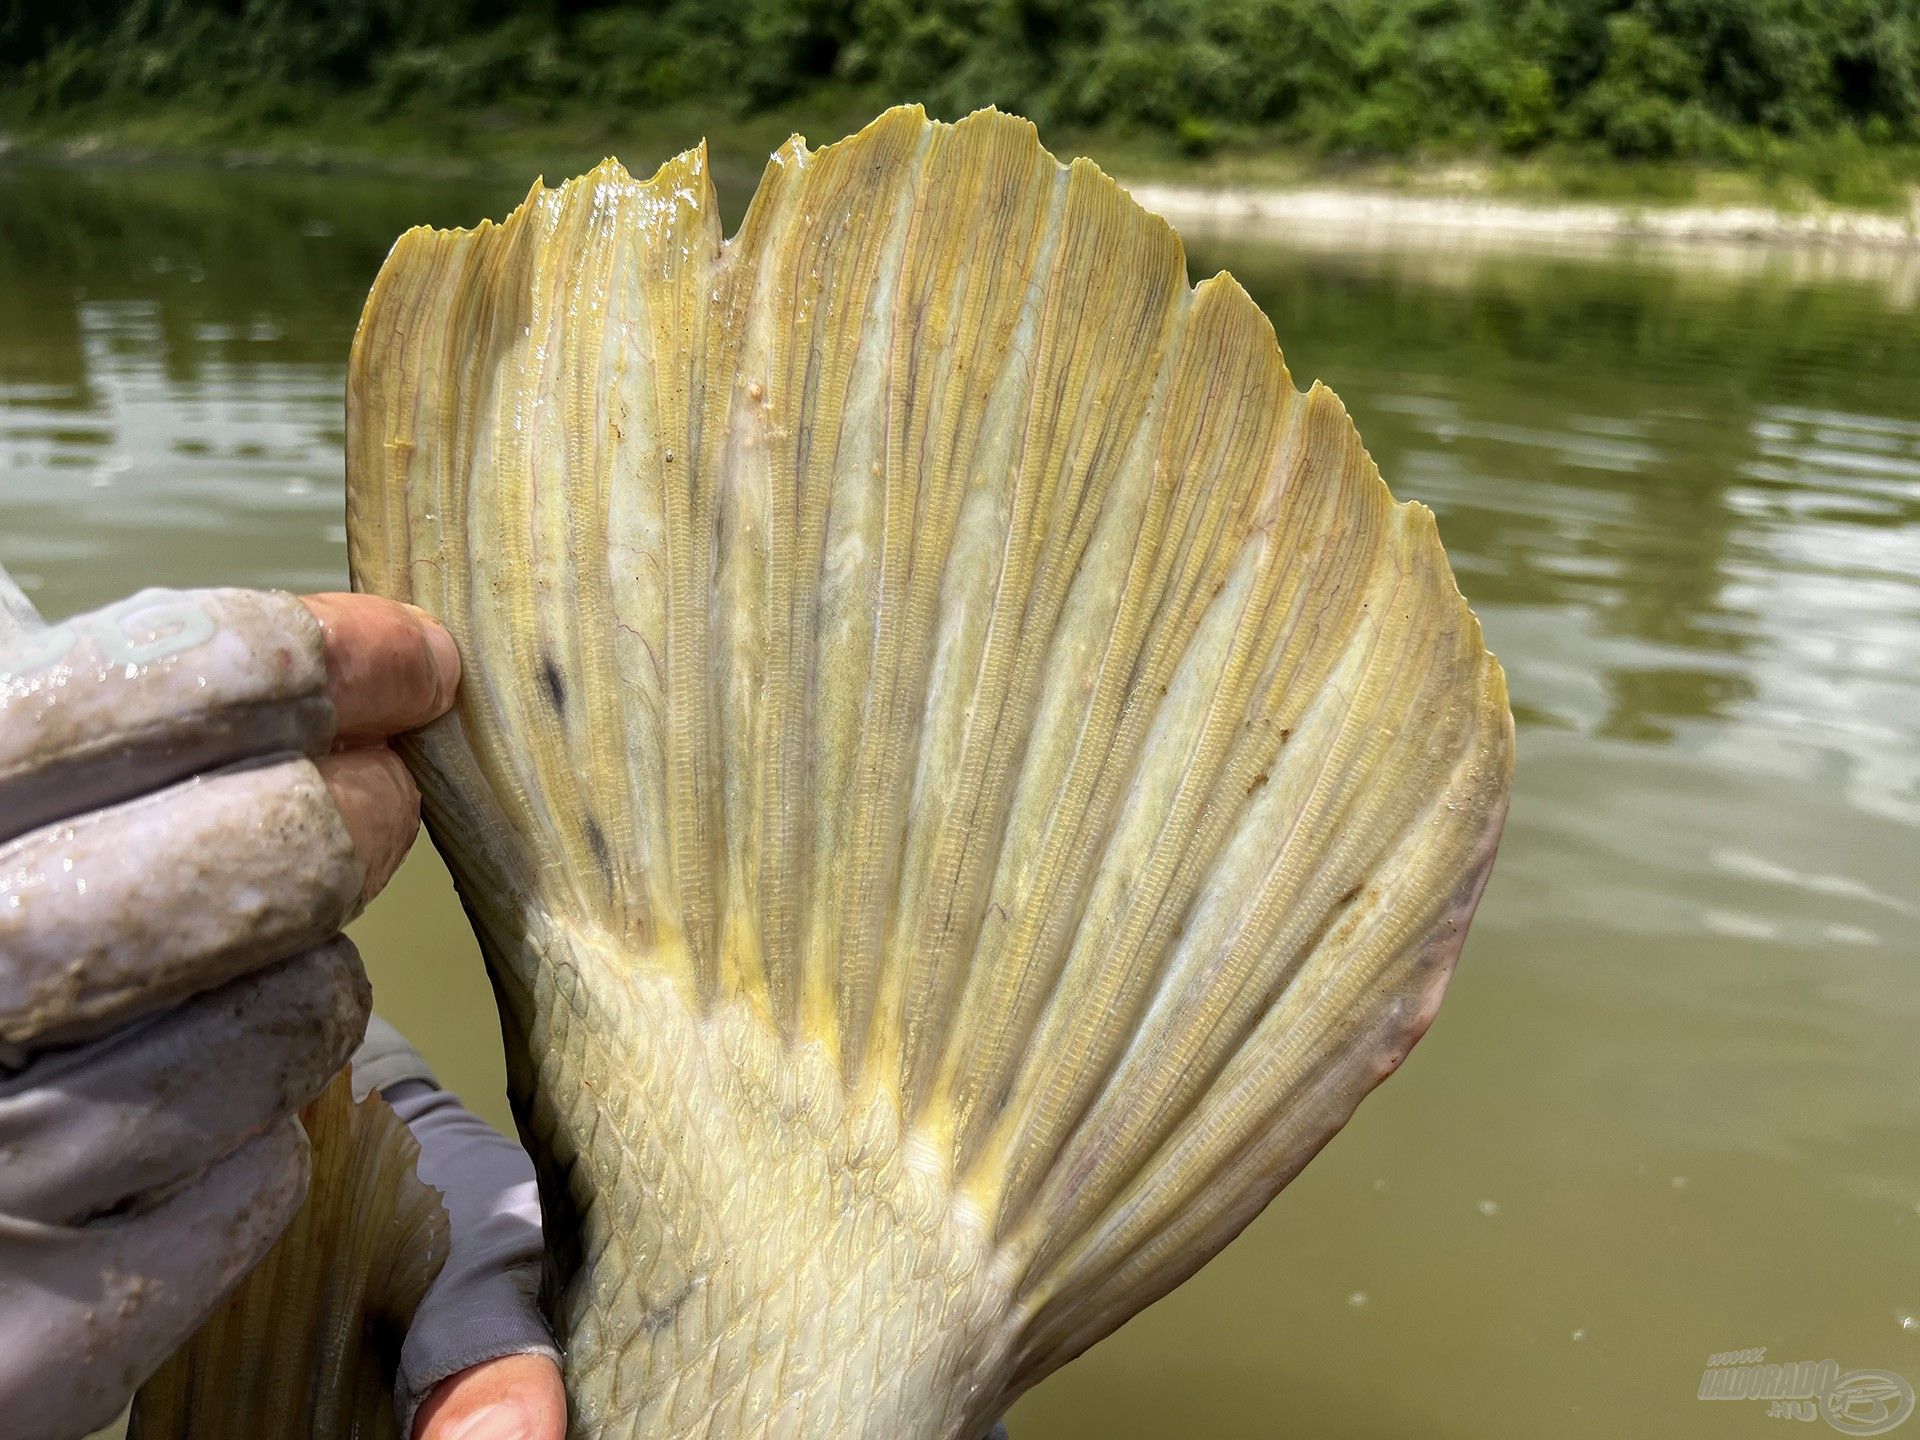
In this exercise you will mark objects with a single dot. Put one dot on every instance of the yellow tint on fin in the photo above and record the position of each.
(964, 778)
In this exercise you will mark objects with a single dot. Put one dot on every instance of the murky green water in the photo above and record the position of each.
(1670, 1107)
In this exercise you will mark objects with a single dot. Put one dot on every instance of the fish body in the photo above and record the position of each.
(964, 776)
(307, 1345)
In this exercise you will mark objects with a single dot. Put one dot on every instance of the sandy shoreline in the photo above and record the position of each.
(1247, 211)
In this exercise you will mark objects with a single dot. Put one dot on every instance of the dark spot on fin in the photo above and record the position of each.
(555, 687)
(597, 842)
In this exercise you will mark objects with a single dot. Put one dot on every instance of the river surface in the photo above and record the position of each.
(1671, 1107)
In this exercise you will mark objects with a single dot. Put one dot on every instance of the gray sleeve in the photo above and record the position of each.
(486, 1302)
(384, 1059)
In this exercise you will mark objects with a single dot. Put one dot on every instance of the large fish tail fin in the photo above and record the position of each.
(307, 1343)
(925, 626)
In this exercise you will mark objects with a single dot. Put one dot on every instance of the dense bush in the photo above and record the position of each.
(1643, 78)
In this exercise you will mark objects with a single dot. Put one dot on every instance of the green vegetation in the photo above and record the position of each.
(1814, 97)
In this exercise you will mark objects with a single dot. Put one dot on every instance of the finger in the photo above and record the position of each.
(516, 1397)
(390, 667)
(123, 700)
(88, 1313)
(380, 804)
(95, 1128)
(127, 909)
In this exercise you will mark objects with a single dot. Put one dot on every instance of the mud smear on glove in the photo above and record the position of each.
(306, 1346)
(964, 776)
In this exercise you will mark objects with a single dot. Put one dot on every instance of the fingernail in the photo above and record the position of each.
(446, 655)
(494, 1422)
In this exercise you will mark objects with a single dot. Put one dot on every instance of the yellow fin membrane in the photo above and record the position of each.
(306, 1346)
(965, 777)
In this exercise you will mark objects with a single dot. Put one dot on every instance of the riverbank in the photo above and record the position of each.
(1565, 203)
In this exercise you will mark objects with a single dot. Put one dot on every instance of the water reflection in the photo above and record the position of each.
(170, 356)
(1668, 1110)
(1690, 511)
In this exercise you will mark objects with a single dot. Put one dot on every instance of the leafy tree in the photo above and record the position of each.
(1723, 79)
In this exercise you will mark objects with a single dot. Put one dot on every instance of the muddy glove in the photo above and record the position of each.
(485, 1303)
(180, 843)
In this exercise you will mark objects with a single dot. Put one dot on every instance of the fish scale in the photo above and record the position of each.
(872, 1248)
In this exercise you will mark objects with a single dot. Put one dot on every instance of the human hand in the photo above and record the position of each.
(194, 798)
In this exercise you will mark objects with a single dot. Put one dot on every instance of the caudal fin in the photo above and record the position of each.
(925, 623)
